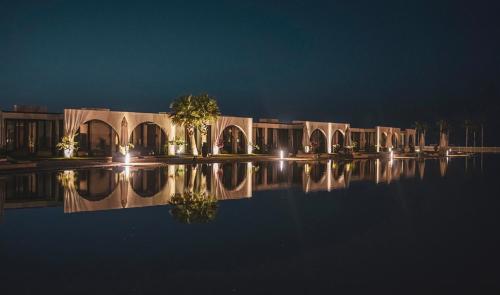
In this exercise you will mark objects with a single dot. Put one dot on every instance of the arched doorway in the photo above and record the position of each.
(97, 138)
(318, 141)
(234, 141)
(96, 184)
(338, 140)
(148, 139)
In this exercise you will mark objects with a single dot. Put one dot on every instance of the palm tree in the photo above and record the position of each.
(421, 128)
(195, 112)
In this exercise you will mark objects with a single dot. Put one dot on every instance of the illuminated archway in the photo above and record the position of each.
(97, 138)
(149, 138)
(234, 140)
(318, 141)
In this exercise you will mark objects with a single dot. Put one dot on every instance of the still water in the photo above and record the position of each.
(264, 227)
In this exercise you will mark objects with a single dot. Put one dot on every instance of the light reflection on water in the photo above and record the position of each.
(128, 187)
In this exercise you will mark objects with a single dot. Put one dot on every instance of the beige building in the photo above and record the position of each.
(101, 132)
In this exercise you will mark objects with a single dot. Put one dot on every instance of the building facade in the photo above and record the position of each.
(101, 132)
(30, 131)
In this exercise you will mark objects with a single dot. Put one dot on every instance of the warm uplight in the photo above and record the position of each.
(127, 158)
(282, 154)
(281, 165)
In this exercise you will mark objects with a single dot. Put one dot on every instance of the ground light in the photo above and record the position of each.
(127, 158)
(282, 154)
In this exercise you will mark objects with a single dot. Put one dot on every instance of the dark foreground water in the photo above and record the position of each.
(261, 228)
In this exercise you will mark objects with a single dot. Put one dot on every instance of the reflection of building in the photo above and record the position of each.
(129, 187)
(101, 132)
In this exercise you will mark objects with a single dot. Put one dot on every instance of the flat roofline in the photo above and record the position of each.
(36, 113)
(116, 111)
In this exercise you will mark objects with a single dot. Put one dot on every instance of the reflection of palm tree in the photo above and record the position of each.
(191, 207)
(467, 126)
(444, 132)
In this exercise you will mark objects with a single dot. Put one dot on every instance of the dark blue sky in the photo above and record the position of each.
(364, 62)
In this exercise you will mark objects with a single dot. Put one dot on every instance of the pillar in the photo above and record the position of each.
(362, 140)
(2, 137)
(171, 137)
(265, 135)
(275, 137)
(377, 144)
(290, 140)
(234, 138)
(144, 135)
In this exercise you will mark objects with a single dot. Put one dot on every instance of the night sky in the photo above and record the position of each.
(364, 62)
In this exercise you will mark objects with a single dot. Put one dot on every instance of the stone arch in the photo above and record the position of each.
(148, 138)
(233, 140)
(318, 140)
(338, 138)
(131, 128)
(98, 138)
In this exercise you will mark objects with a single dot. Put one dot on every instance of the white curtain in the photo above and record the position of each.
(348, 139)
(124, 133)
(220, 125)
(307, 134)
(72, 121)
